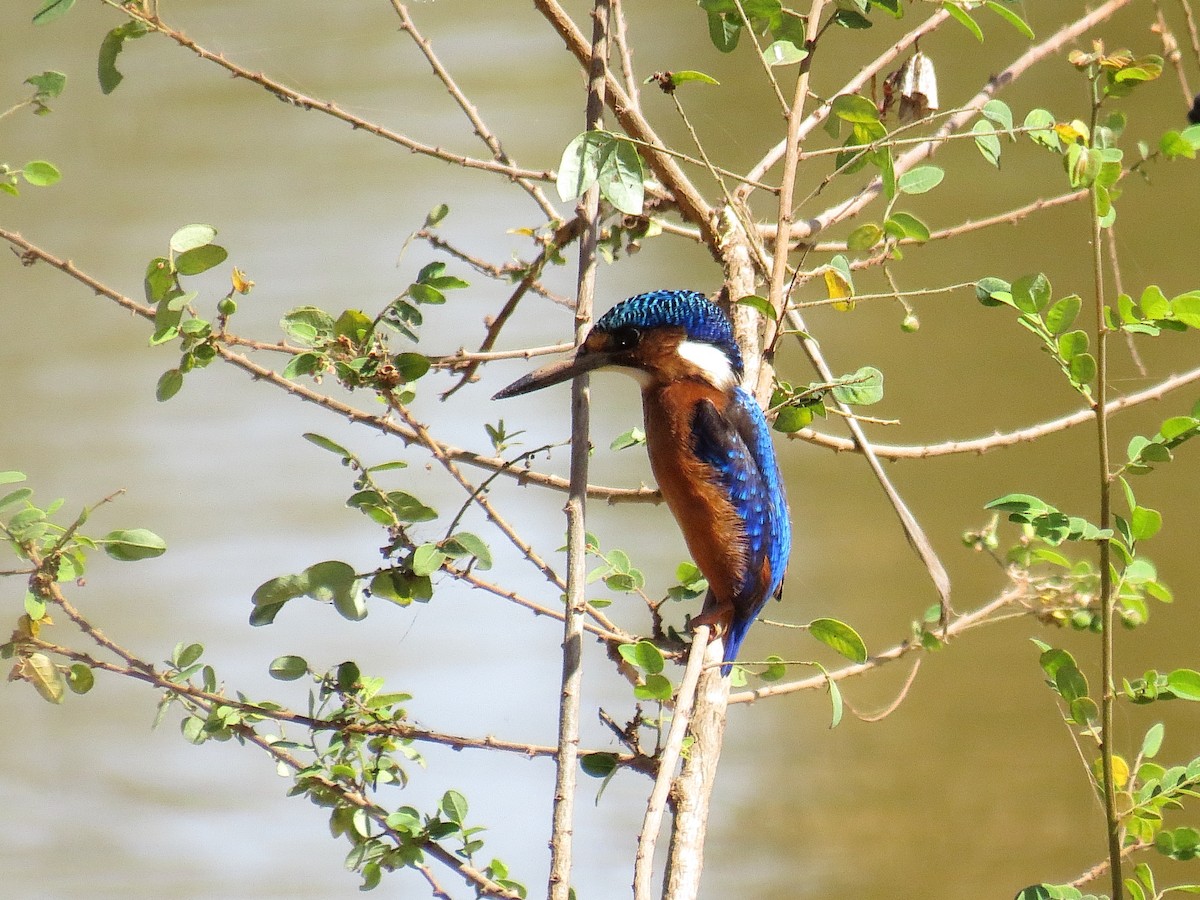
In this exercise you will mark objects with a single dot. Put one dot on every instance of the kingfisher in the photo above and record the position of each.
(708, 441)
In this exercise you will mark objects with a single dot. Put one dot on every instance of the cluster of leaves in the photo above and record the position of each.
(61, 554)
(609, 161)
(867, 144)
(38, 172)
(110, 47)
(1146, 789)
(191, 251)
(354, 347)
(784, 26)
(795, 407)
(1030, 295)
(411, 564)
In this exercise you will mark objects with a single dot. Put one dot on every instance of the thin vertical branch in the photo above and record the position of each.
(1193, 33)
(643, 863)
(563, 828)
(787, 184)
(1112, 818)
(692, 790)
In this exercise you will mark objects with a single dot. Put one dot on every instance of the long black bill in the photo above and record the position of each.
(554, 373)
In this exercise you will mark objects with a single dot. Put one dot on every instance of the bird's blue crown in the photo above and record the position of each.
(702, 319)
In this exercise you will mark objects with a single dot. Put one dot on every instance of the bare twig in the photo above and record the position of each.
(303, 101)
(485, 134)
(960, 624)
(563, 236)
(1005, 439)
(566, 762)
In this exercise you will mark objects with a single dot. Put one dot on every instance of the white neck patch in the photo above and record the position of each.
(712, 362)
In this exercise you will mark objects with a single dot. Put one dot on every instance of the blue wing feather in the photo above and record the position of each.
(735, 443)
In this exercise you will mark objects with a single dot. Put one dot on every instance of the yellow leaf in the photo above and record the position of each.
(1072, 132)
(1120, 771)
(43, 674)
(838, 288)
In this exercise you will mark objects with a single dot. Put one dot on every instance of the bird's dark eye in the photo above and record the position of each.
(625, 338)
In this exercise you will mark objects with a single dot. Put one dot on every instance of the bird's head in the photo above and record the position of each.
(658, 337)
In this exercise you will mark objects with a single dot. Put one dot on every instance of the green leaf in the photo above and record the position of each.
(1024, 505)
(864, 237)
(1062, 314)
(620, 177)
(200, 259)
(598, 765)
(863, 388)
(426, 293)
(308, 325)
(15, 497)
(1072, 344)
(1070, 683)
(110, 49)
(761, 305)
(909, 226)
(168, 385)
(853, 108)
(133, 544)
(1154, 303)
(427, 559)
(470, 545)
(1175, 146)
(454, 805)
(580, 164)
(304, 364)
(288, 668)
(435, 216)
(52, 10)
(791, 419)
(12, 477)
(1145, 522)
(411, 366)
(185, 654)
(642, 655)
(656, 687)
(1083, 368)
(80, 678)
(724, 31)
(1010, 17)
(1186, 309)
(678, 78)
(1152, 742)
(783, 53)
(960, 15)
(1185, 684)
(326, 444)
(335, 581)
(987, 142)
(191, 236)
(634, 437)
(921, 179)
(841, 637)
(1041, 123)
(1031, 293)
(40, 173)
(998, 111)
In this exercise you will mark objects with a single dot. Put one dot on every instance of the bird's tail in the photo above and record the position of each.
(733, 641)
